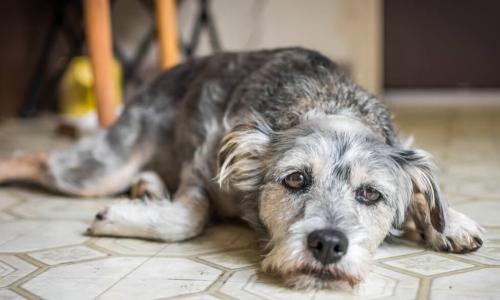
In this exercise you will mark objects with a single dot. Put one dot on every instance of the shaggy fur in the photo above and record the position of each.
(219, 136)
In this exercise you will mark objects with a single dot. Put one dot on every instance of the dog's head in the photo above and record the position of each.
(328, 191)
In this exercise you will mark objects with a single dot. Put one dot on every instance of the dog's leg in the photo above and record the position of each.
(102, 164)
(23, 167)
(175, 219)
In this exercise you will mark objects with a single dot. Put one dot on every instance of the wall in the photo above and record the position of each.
(348, 31)
(22, 31)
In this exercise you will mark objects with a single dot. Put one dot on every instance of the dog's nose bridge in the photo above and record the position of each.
(332, 209)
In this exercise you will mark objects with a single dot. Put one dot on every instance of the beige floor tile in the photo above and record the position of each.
(428, 264)
(85, 280)
(22, 236)
(474, 171)
(480, 284)
(127, 246)
(234, 259)
(381, 283)
(485, 212)
(200, 297)
(395, 248)
(30, 135)
(13, 268)
(215, 238)
(7, 199)
(455, 199)
(162, 277)
(42, 205)
(6, 294)
(66, 255)
(247, 284)
(488, 187)
(5, 217)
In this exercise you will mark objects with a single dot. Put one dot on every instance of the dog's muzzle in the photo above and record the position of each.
(327, 245)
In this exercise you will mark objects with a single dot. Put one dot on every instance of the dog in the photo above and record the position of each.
(279, 138)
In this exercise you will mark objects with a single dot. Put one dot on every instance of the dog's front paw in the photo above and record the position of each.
(115, 219)
(461, 235)
(127, 218)
(101, 224)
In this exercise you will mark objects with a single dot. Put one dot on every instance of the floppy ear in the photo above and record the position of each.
(440, 226)
(428, 207)
(241, 156)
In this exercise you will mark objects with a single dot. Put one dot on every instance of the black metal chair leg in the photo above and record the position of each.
(31, 98)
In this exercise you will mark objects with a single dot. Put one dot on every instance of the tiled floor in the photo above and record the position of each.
(44, 254)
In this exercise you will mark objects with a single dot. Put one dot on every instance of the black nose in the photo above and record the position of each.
(327, 245)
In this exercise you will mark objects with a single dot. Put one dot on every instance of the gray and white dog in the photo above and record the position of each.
(279, 138)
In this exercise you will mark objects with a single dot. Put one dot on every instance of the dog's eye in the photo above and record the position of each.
(368, 195)
(296, 181)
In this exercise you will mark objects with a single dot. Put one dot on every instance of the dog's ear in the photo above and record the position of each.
(427, 205)
(241, 156)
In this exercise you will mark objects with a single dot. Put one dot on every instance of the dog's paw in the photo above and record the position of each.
(126, 218)
(101, 224)
(115, 220)
(148, 185)
(461, 235)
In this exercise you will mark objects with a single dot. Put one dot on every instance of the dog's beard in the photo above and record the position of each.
(310, 276)
(300, 270)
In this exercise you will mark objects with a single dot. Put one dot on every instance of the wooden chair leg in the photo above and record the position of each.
(98, 33)
(166, 18)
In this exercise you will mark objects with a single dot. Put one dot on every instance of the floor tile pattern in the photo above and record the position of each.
(44, 252)
(428, 264)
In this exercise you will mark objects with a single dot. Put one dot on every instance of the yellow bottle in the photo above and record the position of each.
(77, 103)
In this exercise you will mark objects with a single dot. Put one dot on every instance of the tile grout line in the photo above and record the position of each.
(424, 289)
(17, 285)
(128, 273)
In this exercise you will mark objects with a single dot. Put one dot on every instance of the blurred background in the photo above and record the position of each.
(400, 49)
